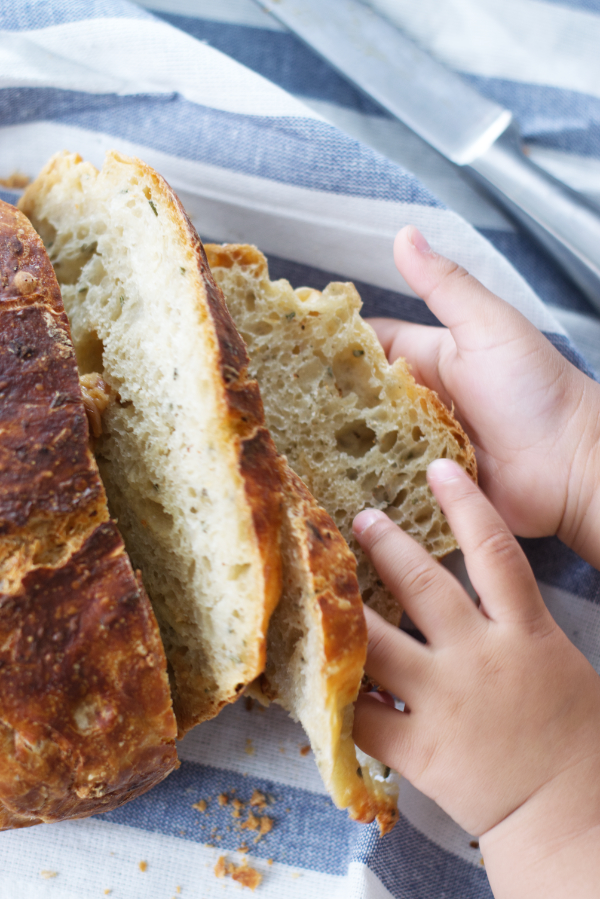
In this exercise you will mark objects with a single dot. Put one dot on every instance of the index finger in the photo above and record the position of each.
(420, 345)
(433, 598)
(478, 319)
(496, 564)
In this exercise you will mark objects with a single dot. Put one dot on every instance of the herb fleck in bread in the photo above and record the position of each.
(190, 470)
(86, 721)
(316, 650)
(358, 431)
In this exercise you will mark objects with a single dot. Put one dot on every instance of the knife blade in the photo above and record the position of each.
(473, 132)
(434, 102)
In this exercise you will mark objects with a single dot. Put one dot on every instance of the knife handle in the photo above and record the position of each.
(559, 218)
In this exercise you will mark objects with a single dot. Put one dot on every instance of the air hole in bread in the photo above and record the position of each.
(237, 571)
(261, 328)
(73, 260)
(369, 482)
(400, 498)
(420, 479)
(95, 272)
(380, 494)
(424, 515)
(351, 474)
(355, 438)
(90, 351)
(250, 300)
(417, 433)
(155, 517)
(388, 441)
(417, 451)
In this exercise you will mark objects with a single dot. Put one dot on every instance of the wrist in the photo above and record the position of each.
(579, 528)
(548, 846)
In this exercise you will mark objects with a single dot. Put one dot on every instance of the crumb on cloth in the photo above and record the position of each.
(262, 823)
(242, 874)
(258, 800)
(48, 874)
(16, 181)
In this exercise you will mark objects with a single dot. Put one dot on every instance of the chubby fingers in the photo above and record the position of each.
(395, 660)
(497, 566)
(381, 731)
(477, 318)
(435, 601)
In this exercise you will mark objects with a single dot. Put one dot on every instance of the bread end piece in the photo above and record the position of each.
(85, 709)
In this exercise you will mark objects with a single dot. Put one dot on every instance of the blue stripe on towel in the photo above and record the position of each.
(539, 270)
(9, 197)
(279, 56)
(307, 153)
(555, 564)
(589, 5)
(308, 830)
(29, 15)
(548, 116)
(411, 866)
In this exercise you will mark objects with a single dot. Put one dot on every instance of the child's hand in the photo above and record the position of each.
(502, 727)
(531, 415)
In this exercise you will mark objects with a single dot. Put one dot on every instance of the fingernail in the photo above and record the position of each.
(418, 241)
(443, 470)
(365, 519)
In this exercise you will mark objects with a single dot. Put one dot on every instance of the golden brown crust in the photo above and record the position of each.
(338, 617)
(85, 711)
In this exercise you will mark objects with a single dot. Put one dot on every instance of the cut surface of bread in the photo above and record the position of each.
(190, 470)
(358, 431)
(86, 721)
(316, 650)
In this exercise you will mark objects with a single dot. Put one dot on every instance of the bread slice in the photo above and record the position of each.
(86, 720)
(316, 650)
(189, 468)
(358, 431)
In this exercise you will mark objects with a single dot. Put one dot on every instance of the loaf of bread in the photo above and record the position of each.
(190, 470)
(358, 431)
(316, 650)
(86, 721)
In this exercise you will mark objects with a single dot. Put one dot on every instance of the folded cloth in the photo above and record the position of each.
(265, 143)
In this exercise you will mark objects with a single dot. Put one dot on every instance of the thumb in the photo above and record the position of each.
(477, 318)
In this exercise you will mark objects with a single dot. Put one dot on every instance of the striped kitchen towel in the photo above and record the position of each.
(265, 143)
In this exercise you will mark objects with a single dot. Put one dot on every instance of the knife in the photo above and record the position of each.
(471, 131)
